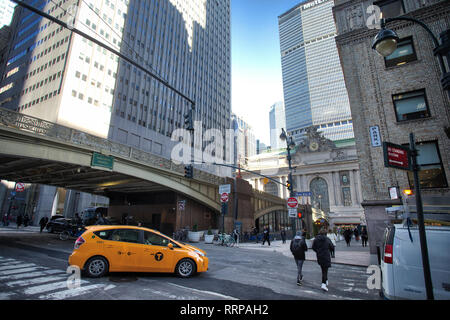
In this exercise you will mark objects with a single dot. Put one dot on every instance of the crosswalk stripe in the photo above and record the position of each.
(15, 266)
(69, 293)
(27, 282)
(31, 274)
(9, 263)
(48, 287)
(10, 272)
(3, 261)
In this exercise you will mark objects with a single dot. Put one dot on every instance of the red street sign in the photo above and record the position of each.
(292, 203)
(20, 187)
(397, 156)
(224, 197)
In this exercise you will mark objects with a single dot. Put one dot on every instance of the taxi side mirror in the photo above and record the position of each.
(170, 246)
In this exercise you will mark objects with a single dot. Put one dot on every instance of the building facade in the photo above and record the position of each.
(313, 83)
(6, 12)
(59, 76)
(277, 121)
(396, 96)
(329, 172)
(244, 140)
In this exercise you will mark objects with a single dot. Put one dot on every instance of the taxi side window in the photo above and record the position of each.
(153, 239)
(104, 234)
(125, 235)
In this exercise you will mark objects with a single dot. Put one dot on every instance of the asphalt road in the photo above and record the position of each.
(33, 267)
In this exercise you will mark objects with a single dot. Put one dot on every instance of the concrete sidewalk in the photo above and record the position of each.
(355, 255)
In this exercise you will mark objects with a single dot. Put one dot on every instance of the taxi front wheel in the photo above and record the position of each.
(186, 268)
(96, 267)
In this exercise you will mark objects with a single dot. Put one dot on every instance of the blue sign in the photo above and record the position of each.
(303, 194)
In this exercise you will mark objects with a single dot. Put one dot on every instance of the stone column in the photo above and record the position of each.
(352, 188)
(331, 189)
(358, 187)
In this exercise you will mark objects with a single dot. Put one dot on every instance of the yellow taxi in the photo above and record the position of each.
(103, 249)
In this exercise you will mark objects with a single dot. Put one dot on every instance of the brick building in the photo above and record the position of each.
(397, 95)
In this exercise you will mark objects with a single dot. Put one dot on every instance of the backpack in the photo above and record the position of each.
(297, 247)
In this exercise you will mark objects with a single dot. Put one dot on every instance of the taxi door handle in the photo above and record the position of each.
(130, 253)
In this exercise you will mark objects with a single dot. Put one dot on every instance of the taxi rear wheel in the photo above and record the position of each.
(96, 267)
(186, 268)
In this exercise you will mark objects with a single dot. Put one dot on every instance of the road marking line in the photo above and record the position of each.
(205, 292)
(10, 272)
(48, 287)
(14, 266)
(31, 275)
(28, 282)
(69, 293)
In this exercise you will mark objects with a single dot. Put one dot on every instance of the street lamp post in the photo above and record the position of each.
(385, 43)
(290, 144)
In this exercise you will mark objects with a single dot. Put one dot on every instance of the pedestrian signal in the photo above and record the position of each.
(299, 215)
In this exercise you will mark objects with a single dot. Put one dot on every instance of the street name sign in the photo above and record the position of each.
(397, 156)
(100, 160)
(375, 136)
(303, 194)
(292, 203)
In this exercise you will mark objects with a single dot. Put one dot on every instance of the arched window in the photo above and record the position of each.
(319, 194)
(272, 188)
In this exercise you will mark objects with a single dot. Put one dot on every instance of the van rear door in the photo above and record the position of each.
(387, 273)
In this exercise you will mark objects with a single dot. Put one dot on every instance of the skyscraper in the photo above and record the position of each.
(62, 77)
(277, 120)
(313, 82)
(6, 12)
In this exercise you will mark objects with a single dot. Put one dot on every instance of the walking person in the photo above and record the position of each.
(255, 233)
(364, 236)
(356, 233)
(298, 248)
(43, 223)
(348, 236)
(19, 221)
(322, 245)
(5, 220)
(26, 220)
(266, 236)
(283, 235)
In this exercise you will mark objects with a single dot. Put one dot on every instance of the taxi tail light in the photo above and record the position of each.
(79, 242)
(388, 254)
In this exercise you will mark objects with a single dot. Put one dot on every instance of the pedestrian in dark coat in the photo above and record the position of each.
(298, 248)
(322, 245)
(266, 236)
(356, 233)
(364, 236)
(43, 223)
(255, 233)
(283, 235)
(19, 220)
(348, 236)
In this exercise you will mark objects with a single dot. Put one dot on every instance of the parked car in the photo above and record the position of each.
(103, 249)
(58, 224)
(401, 262)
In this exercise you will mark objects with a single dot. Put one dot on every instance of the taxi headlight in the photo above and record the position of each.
(201, 254)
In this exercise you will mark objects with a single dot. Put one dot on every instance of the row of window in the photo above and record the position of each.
(38, 100)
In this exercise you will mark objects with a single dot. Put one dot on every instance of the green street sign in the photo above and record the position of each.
(100, 160)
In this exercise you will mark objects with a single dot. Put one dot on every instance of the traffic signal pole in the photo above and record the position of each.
(421, 221)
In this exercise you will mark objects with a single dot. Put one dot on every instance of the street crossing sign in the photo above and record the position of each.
(20, 187)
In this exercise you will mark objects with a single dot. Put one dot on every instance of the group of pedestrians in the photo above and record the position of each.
(348, 234)
(22, 219)
(322, 246)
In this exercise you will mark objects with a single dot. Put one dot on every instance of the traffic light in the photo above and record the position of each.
(299, 215)
(189, 171)
(189, 120)
(289, 185)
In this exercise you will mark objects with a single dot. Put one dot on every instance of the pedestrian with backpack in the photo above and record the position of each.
(298, 249)
(322, 245)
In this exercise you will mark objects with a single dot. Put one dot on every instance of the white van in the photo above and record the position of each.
(401, 262)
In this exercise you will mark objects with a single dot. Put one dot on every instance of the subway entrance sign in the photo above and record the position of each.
(397, 156)
(100, 160)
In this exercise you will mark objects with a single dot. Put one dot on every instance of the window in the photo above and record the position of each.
(391, 8)
(126, 235)
(404, 53)
(153, 239)
(431, 174)
(410, 106)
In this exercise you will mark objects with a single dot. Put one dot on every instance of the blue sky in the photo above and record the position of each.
(256, 61)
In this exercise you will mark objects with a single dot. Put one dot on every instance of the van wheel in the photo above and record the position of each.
(186, 268)
(96, 267)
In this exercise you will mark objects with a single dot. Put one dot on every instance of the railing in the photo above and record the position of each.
(23, 122)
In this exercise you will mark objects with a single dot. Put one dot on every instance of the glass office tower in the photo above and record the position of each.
(313, 82)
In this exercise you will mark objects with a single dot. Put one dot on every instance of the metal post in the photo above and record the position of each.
(420, 218)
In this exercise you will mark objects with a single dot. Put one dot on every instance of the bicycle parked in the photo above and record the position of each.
(225, 240)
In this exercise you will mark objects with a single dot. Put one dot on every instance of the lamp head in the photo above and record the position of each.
(385, 42)
(283, 135)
